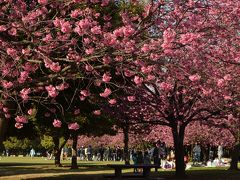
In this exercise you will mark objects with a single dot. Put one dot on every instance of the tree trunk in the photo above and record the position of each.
(74, 151)
(205, 154)
(234, 157)
(126, 141)
(56, 152)
(3, 127)
(3, 121)
(179, 151)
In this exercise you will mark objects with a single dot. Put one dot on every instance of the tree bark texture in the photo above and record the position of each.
(74, 152)
(57, 152)
(178, 138)
(126, 142)
(234, 157)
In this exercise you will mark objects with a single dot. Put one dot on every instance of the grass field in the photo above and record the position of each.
(40, 168)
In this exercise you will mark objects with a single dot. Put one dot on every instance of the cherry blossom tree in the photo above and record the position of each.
(173, 51)
(127, 116)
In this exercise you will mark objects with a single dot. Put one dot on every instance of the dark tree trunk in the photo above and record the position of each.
(3, 127)
(178, 138)
(205, 154)
(74, 152)
(126, 141)
(234, 157)
(57, 152)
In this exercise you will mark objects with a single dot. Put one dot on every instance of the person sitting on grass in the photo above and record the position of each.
(169, 164)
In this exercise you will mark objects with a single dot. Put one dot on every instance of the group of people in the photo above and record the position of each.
(96, 154)
(212, 162)
(159, 155)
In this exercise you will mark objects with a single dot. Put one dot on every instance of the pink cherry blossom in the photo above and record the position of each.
(128, 73)
(75, 13)
(21, 119)
(12, 52)
(105, 2)
(96, 30)
(5, 109)
(89, 51)
(118, 32)
(106, 93)
(82, 98)
(119, 58)
(24, 93)
(47, 62)
(12, 31)
(48, 38)
(84, 24)
(62, 86)
(138, 80)
(207, 92)
(55, 67)
(97, 112)
(227, 97)
(106, 77)
(18, 125)
(87, 40)
(131, 98)
(57, 22)
(43, 2)
(220, 82)
(57, 123)
(145, 48)
(8, 116)
(106, 60)
(110, 39)
(66, 27)
(165, 86)
(112, 101)
(26, 52)
(88, 67)
(73, 126)
(194, 77)
(230, 116)
(52, 91)
(7, 84)
(147, 69)
(3, 28)
(23, 77)
(188, 38)
(150, 77)
(227, 77)
(128, 31)
(30, 111)
(85, 93)
(168, 37)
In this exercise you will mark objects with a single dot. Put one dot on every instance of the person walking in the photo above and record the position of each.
(32, 153)
(196, 153)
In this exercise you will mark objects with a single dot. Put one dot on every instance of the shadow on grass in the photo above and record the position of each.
(27, 169)
(99, 171)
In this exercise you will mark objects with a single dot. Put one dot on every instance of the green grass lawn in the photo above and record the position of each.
(40, 168)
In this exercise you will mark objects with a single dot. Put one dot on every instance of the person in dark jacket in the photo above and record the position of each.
(156, 157)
